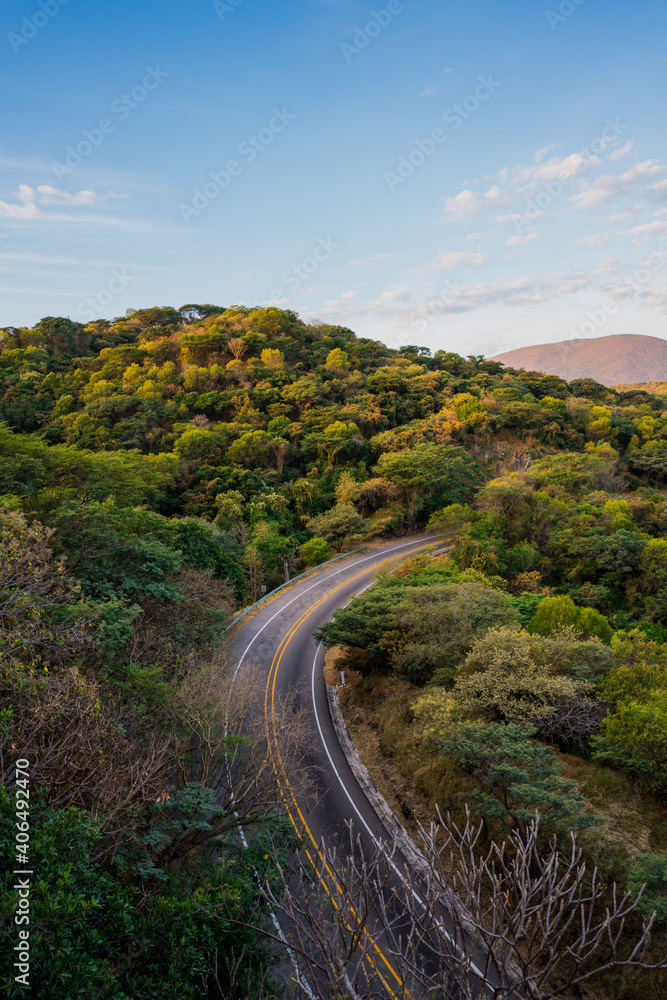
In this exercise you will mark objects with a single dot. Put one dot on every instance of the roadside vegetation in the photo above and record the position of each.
(158, 470)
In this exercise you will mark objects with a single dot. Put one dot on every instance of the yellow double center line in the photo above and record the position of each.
(291, 804)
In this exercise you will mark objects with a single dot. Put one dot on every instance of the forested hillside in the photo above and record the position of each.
(157, 470)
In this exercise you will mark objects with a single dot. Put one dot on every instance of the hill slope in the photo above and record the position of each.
(609, 360)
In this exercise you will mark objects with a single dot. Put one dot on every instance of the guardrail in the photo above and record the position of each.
(289, 583)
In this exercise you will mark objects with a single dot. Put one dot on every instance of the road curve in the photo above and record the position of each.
(278, 641)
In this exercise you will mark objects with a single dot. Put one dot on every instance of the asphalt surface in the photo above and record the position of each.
(278, 641)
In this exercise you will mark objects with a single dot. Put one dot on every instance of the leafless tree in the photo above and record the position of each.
(572, 722)
(200, 421)
(237, 347)
(82, 748)
(224, 748)
(507, 924)
(87, 750)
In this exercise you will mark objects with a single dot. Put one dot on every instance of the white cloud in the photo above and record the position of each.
(519, 183)
(394, 305)
(482, 237)
(607, 186)
(541, 153)
(467, 203)
(517, 241)
(52, 196)
(523, 291)
(28, 210)
(647, 231)
(595, 240)
(631, 212)
(32, 199)
(658, 189)
(527, 175)
(370, 262)
(457, 258)
(618, 154)
(609, 264)
(429, 92)
(567, 167)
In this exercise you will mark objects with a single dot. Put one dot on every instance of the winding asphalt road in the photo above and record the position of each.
(278, 640)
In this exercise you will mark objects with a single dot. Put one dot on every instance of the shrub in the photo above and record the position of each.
(650, 870)
(520, 777)
(314, 551)
(502, 680)
(556, 613)
(342, 523)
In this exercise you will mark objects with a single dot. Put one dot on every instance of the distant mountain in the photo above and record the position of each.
(612, 360)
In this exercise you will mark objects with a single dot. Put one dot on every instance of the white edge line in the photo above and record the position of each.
(322, 579)
(380, 846)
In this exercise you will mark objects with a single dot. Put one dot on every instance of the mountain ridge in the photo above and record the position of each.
(610, 360)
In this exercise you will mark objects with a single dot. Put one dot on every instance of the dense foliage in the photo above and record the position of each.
(513, 688)
(157, 470)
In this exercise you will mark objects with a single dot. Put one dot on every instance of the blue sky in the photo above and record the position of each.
(472, 176)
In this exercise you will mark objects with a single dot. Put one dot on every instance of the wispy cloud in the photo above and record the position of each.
(467, 203)
(517, 241)
(608, 186)
(626, 150)
(371, 262)
(457, 258)
(31, 201)
(594, 240)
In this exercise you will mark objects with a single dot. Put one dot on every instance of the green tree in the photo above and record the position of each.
(443, 474)
(62, 337)
(120, 552)
(439, 624)
(556, 613)
(650, 871)
(314, 551)
(419, 632)
(277, 551)
(634, 737)
(100, 929)
(230, 506)
(519, 777)
(505, 679)
(340, 524)
(257, 449)
(42, 617)
(337, 362)
(198, 445)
